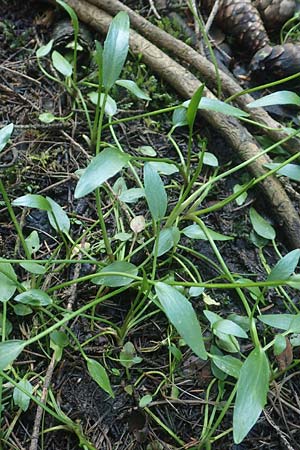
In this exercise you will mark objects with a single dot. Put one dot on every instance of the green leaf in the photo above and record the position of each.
(145, 400)
(9, 351)
(99, 374)
(277, 98)
(32, 201)
(168, 238)
(291, 171)
(58, 217)
(163, 167)
(255, 291)
(242, 197)
(115, 49)
(227, 342)
(212, 317)
(279, 344)
(45, 49)
(116, 280)
(242, 321)
(33, 242)
(195, 232)
(228, 364)
(213, 104)
(146, 150)
(132, 87)
(182, 315)
(61, 64)
(210, 159)
(228, 327)
(295, 324)
(195, 291)
(221, 107)
(261, 226)
(128, 356)
(8, 280)
(33, 267)
(281, 321)
(5, 134)
(294, 281)
(104, 166)
(285, 267)
(58, 341)
(47, 117)
(132, 195)
(110, 106)
(251, 397)
(192, 108)
(155, 193)
(20, 398)
(179, 117)
(22, 310)
(34, 297)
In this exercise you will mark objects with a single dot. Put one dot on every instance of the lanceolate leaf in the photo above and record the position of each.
(195, 232)
(261, 226)
(222, 107)
(61, 64)
(132, 87)
(277, 98)
(99, 374)
(228, 364)
(182, 315)
(34, 297)
(8, 280)
(116, 280)
(285, 267)
(155, 193)
(33, 201)
(193, 106)
(251, 397)
(291, 171)
(20, 398)
(281, 321)
(168, 238)
(58, 217)
(9, 351)
(45, 49)
(104, 166)
(5, 134)
(115, 49)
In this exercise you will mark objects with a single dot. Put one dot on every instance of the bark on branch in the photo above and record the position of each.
(186, 84)
(205, 68)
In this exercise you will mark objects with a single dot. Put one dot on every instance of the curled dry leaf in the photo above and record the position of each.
(138, 224)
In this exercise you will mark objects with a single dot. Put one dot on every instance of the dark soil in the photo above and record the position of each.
(43, 159)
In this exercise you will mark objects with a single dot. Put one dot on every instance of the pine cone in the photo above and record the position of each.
(275, 12)
(274, 63)
(241, 20)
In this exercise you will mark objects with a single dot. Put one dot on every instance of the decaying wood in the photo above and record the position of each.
(205, 68)
(186, 84)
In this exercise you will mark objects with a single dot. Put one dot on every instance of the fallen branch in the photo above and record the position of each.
(205, 68)
(186, 84)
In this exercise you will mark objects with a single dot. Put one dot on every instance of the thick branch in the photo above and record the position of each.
(186, 84)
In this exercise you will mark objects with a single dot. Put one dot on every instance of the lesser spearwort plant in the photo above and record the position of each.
(172, 221)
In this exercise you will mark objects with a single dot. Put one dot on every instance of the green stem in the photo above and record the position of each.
(14, 219)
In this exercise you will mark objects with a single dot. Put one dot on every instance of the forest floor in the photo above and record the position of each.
(183, 395)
